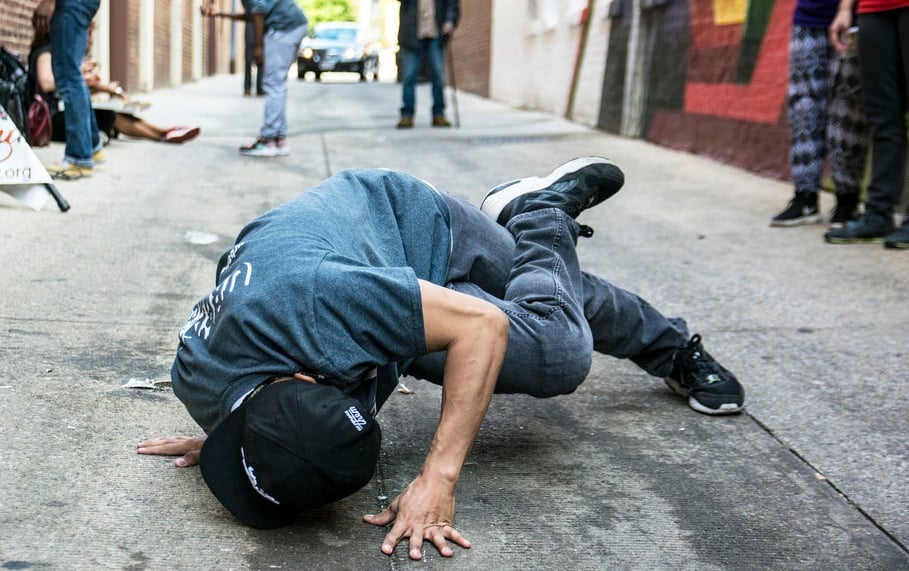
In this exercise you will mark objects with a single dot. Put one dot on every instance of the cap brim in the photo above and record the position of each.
(222, 469)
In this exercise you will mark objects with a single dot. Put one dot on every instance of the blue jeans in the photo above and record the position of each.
(430, 51)
(69, 38)
(558, 314)
(280, 52)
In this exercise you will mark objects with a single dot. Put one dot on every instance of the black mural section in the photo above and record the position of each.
(670, 39)
(610, 117)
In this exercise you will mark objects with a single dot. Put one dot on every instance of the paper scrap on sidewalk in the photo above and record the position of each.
(147, 383)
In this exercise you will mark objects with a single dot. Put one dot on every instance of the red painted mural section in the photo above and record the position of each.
(761, 101)
(705, 34)
(740, 124)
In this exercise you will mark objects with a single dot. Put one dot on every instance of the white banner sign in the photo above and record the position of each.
(21, 173)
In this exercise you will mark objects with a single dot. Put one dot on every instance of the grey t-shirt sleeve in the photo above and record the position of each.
(363, 316)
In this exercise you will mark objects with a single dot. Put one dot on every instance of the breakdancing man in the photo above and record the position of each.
(324, 301)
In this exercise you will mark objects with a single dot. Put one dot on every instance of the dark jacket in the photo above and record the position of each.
(446, 11)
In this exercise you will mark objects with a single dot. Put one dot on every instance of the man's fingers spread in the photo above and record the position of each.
(392, 538)
(384, 518)
(438, 539)
(455, 535)
(416, 546)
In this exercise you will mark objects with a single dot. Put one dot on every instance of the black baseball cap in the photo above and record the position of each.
(292, 446)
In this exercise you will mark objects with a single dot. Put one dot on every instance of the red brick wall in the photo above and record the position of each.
(470, 47)
(729, 101)
(16, 25)
(162, 43)
(187, 71)
(132, 45)
(16, 35)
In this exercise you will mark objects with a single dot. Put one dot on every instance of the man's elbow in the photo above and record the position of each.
(494, 324)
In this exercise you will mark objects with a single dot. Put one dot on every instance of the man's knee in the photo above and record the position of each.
(554, 371)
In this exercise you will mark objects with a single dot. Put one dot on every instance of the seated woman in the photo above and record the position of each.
(109, 121)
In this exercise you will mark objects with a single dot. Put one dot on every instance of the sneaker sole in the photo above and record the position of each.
(878, 240)
(71, 174)
(496, 201)
(694, 404)
(803, 221)
(188, 135)
(259, 153)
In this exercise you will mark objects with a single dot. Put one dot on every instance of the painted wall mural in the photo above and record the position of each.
(715, 75)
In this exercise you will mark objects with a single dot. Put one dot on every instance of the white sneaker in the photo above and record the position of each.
(262, 147)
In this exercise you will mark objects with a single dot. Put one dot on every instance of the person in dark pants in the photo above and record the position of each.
(423, 30)
(883, 46)
(250, 63)
(325, 301)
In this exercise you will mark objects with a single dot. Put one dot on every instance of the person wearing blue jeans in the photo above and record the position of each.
(323, 302)
(68, 23)
(278, 29)
(423, 31)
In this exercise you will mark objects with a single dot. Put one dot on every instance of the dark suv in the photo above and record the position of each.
(338, 46)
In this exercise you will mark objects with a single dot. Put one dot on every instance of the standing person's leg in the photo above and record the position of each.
(260, 79)
(248, 59)
(885, 99)
(436, 64)
(847, 137)
(410, 68)
(69, 39)
(899, 238)
(809, 54)
(884, 88)
(280, 52)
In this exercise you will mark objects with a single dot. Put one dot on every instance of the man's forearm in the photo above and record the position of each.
(471, 370)
(474, 334)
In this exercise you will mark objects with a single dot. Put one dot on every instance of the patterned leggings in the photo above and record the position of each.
(825, 113)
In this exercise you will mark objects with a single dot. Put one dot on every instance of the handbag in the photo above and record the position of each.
(40, 127)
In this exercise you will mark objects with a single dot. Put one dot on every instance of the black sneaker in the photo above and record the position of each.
(869, 227)
(899, 238)
(802, 209)
(846, 210)
(710, 388)
(572, 187)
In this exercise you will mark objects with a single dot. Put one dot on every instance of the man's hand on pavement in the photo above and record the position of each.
(186, 447)
(424, 511)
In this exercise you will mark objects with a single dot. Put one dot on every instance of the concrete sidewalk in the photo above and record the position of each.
(619, 475)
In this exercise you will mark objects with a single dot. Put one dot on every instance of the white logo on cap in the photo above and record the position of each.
(252, 479)
(355, 418)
